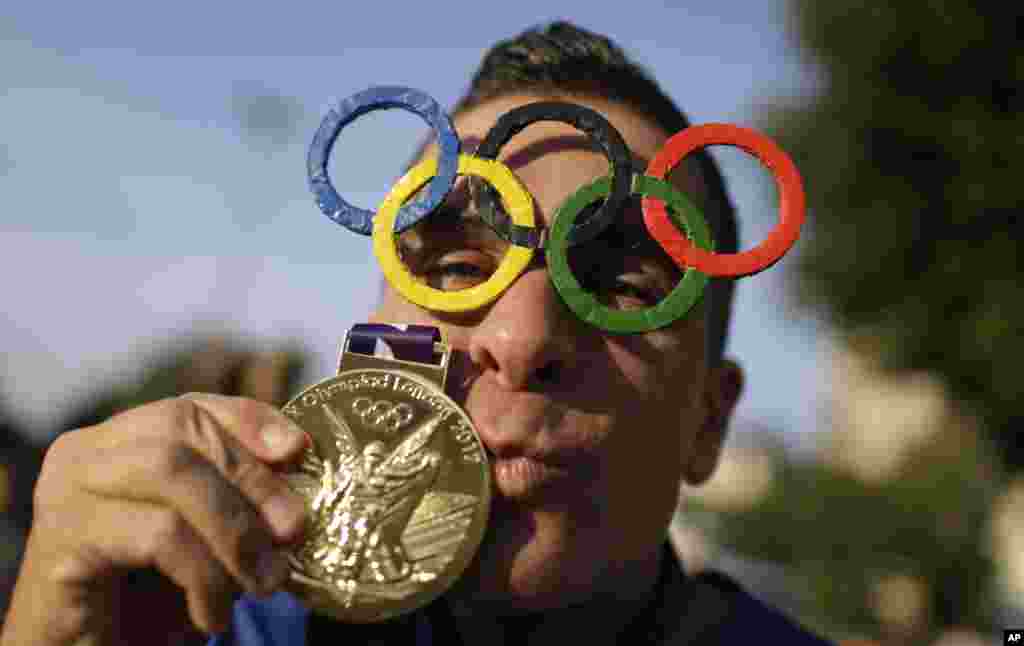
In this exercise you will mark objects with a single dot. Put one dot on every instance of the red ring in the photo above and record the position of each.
(792, 201)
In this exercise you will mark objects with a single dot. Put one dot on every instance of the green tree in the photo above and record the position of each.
(219, 365)
(911, 155)
(839, 537)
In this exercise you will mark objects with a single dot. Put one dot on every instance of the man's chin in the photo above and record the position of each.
(517, 568)
(493, 588)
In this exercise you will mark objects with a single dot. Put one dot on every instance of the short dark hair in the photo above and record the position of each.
(562, 58)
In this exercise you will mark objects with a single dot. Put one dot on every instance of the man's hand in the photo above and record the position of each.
(149, 525)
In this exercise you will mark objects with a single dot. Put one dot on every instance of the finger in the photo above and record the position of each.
(262, 429)
(178, 477)
(145, 535)
(224, 430)
(205, 423)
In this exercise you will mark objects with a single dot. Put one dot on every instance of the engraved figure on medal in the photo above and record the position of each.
(379, 528)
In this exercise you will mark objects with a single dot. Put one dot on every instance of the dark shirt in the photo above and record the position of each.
(706, 609)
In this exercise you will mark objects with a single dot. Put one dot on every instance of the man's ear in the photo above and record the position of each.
(723, 388)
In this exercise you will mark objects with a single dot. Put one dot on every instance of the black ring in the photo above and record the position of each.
(584, 119)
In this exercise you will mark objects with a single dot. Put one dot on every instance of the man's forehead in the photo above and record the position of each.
(517, 154)
(643, 137)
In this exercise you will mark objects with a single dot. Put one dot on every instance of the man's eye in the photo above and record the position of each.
(626, 294)
(461, 269)
(457, 275)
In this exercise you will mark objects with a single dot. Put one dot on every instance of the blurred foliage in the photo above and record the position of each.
(214, 365)
(911, 155)
(838, 537)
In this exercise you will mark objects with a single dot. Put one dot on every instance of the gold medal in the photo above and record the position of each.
(397, 488)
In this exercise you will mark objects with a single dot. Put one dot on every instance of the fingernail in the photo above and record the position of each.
(280, 439)
(284, 513)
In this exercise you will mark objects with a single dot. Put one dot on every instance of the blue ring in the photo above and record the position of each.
(348, 110)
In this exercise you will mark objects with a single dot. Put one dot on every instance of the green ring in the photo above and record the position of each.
(684, 214)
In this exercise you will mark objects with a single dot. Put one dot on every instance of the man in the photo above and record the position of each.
(589, 433)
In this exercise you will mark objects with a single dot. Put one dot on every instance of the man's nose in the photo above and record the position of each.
(527, 335)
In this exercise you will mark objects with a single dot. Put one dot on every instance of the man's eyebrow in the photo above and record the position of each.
(449, 222)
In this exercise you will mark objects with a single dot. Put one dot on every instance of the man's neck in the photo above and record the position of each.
(600, 620)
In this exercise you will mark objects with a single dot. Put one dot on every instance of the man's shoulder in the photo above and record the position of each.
(713, 608)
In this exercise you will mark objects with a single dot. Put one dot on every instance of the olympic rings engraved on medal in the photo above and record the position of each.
(582, 118)
(380, 98)
(584, 304)
(792, 201)
(383, 414)
(518, 203)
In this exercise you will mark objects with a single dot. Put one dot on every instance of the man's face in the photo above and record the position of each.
(589, 433)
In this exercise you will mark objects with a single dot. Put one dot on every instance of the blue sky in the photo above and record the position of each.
(139, 197)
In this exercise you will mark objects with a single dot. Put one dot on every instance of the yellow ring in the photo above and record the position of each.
(520, 208)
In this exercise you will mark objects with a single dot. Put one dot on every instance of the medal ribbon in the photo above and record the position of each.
(400, 341)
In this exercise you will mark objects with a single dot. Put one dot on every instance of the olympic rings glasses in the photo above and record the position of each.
(506, 206)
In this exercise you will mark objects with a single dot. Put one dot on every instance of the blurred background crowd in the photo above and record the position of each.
(886, 506)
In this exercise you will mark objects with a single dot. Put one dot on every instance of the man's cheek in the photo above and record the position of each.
(641, 367)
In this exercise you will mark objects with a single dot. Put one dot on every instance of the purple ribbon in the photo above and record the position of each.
(406, 342)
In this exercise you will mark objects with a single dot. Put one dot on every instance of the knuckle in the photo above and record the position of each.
(198, 396)
(183, 401)
(175, 459)
(252, 416)
(183, 412)
(183, 409)
(249, 410)
(198, 428)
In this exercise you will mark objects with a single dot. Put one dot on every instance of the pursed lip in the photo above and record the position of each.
(526, 439)
(524, 478)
